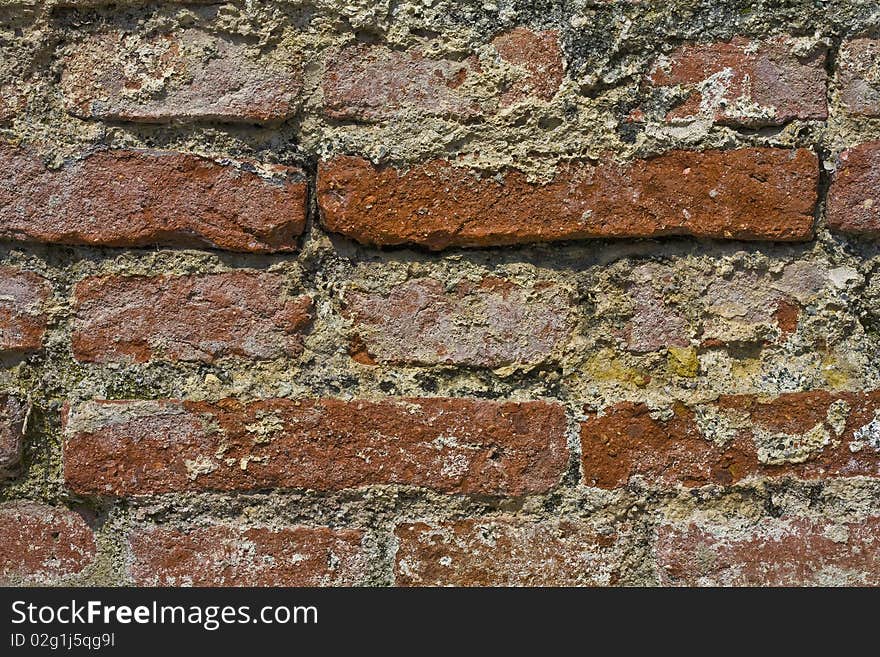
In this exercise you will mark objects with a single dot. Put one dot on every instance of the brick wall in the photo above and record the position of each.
(435, 292)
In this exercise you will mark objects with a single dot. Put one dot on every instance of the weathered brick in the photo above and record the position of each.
(745, 83)
(226, 555)
(12, 416)
(366, 82)
(854, 196)
(540, 57)
(490, 323)
(451, 445)
(23, 296)
(858, 66)
(187, 318)
(673, 306)
(506, 552)
(807, 435)
(654, 324)
(751, 306)
(754, 194)
(188, 75)
(374, 83)
(147, 198)
(41, 544)
(785, 552)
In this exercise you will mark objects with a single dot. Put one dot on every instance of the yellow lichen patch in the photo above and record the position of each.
(683, 361)
(606, 366)
(834, 372)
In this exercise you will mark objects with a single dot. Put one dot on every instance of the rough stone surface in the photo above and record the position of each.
(225, 555)
(450, 445)
(11, 103)
(743, 194)
(670, 316)
(187, 318)
(145, 198)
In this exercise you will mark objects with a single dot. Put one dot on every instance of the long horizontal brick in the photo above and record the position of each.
(23, 297)
(807, 435)
(797, 552)
(122, 448)
(489, 323)
(744, 82)
(227, 555)
(187, 318)
(854, 196)
(41, 544)
(146, 198)
(12, 415)
(179, 76)
(364, 82)
(858, 71)
(752, 194)
(506, 552)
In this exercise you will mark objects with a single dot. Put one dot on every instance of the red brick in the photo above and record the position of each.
(147, 198)
(188, 75)
(854, 196)
(187, 318)
(122, 448)
(754, 194)
(23, 296)
(373, 83)
(858, 66)
(506, 552)
(41, 544)
(490, 323)
(745, 83)
(226, 555)
(807, 435)
(539, 55)
(796, 552)
(12, 415)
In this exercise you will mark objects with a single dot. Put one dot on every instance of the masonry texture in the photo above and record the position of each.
(434, 292)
